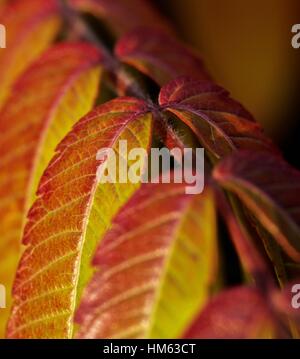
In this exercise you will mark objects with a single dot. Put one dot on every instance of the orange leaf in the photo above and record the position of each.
(68, 218)
(52, 94)
(2, 4)
(31, 25)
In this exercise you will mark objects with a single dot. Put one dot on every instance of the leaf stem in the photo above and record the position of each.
(119, 78)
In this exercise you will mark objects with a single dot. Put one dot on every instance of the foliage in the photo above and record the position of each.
(133, 260)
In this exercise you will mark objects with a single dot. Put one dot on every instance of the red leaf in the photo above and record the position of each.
(220, 123)
(245, 246)
(238, 313)
(270, 188)
(123, 15)
(159, 55)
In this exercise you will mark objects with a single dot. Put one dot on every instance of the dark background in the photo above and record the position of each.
(246, 45)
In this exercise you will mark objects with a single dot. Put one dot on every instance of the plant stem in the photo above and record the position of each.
(119, 78)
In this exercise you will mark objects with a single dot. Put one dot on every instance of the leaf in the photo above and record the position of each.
(68, 218)
(245, 245)
(155, 268)
(220, 123)
(123, 15)
(2, 4)
(270, 188)
(159, 55)
(237, 313)
(30, 25)
(46, 101)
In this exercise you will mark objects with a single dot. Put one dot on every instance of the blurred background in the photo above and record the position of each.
(246, 45)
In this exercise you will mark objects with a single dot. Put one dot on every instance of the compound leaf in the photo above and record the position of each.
(220, 123)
